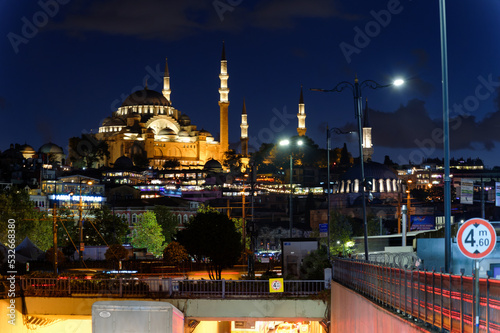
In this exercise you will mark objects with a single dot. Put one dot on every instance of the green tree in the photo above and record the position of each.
(213, 236)
(340, 231)
(167, 221)
(314, 264)
(105, 228)
(175, 253)
(148, 234)
(15, 205)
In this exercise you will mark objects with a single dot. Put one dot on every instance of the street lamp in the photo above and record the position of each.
(328, 131)
(356, 90)
(287, 143)
(80, 218)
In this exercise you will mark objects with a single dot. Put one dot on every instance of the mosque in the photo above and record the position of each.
(147, 124)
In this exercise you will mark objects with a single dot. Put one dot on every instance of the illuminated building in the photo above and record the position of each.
(148, 126)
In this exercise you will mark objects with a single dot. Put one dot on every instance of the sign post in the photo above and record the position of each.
(476, 239)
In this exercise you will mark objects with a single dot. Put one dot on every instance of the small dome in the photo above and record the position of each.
(50, 148)
(146, 97)
(184, 120)
(204, 132)
(166, 131)
(123, 163)
(213, 165)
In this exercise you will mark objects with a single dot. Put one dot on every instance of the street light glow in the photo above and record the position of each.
(398, 82)
(299, 143)
(284, 142)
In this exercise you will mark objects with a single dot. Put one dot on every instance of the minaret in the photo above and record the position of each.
(166, 83)
(223, 102)
(367, 136)
(244, 131)
(301, 116)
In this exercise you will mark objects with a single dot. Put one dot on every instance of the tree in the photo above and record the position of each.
(167, 221)
(15, 205)
(314, 264)
(105, 228)
(171, 163)
(116, 252)
(148, 234)
(340, 230)
(213, 236)
(175, 253)
(87, 151)
(49, 256)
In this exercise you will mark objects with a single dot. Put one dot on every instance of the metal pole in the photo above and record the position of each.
(54, 233)
(291, 196)
(476, 302)
(328, 186)
(446, 135)
(80, 223)
(357, 107)
(482, 198)
(404, 211)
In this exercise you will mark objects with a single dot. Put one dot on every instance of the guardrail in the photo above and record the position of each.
(442, 300)
(158, 287)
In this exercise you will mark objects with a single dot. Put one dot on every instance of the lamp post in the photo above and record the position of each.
(286, 143)
(328, 135)
(356, 90)
(80, 218)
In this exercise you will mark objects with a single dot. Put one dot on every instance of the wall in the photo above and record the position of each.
(352, 312)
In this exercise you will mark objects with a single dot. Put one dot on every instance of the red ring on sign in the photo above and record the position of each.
(490, 247)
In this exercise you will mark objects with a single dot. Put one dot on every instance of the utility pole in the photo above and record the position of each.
(54, 232)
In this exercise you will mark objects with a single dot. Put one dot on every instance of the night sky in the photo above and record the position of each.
(66, 65)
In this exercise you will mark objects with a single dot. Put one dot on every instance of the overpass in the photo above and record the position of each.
(50, 305)
(365, 297)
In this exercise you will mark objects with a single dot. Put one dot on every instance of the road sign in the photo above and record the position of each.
(476, 238)
(276, 285)
(323, 230)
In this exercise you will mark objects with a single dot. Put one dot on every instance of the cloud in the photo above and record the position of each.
(415, 129)
(172, 20)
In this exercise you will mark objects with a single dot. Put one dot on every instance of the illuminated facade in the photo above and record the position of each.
(367, 137)
(147, 125)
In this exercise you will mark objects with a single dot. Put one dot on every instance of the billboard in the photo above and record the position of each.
(422, 222)
(467, 191)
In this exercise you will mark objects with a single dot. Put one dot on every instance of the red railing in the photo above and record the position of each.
(442, 300)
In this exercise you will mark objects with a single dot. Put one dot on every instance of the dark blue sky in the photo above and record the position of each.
(66, 65)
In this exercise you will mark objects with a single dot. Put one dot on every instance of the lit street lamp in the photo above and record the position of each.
(328, 131)
(287, 143)
(356, 89)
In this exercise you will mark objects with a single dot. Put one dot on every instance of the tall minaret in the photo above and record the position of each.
(301, 116)
(166, 83)
(223, 102)
(367, 136)
(244, 131)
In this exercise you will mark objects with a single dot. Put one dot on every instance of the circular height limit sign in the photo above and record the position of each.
(476, 238)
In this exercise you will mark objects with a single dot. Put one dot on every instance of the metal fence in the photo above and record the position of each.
(161, 287)
(442, 300)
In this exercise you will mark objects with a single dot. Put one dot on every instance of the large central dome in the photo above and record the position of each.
(146, 97)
